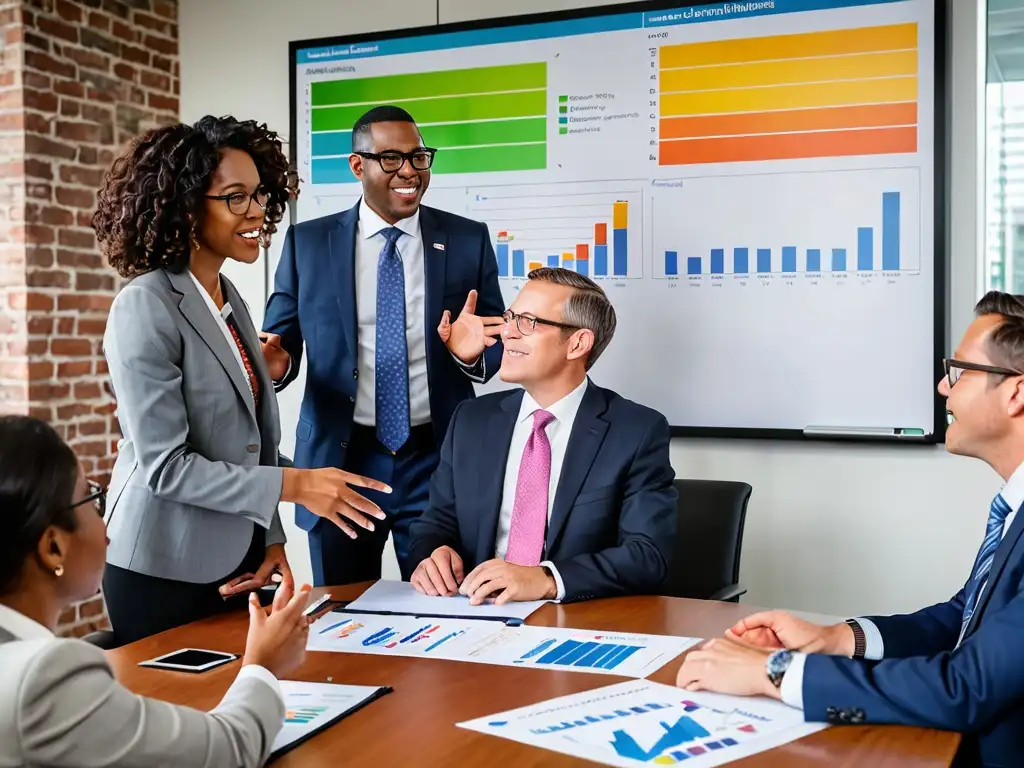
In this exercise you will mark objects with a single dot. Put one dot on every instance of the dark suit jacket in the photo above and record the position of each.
(314, 302)
(614, 515)
(976, 689)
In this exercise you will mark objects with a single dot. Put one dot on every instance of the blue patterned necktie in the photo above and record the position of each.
(391, 377)
(983, 564)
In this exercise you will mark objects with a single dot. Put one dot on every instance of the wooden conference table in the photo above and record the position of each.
(416, 723)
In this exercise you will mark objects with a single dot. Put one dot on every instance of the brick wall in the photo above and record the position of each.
(78, 80)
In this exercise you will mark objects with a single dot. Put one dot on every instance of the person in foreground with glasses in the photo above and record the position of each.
(560, 490)
(194, 521)
(363, 291)
(956, 665)
(60, 704)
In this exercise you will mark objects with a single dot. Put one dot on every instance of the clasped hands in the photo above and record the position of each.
(442, 574)
(736, 663)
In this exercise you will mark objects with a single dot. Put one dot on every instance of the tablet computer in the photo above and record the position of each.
(190, 660)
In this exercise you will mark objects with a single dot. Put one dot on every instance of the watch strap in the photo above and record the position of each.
(860, 642)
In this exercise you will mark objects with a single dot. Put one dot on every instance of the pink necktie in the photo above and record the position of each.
(530, 509)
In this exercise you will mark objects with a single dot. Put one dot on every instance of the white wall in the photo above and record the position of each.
(831, 528)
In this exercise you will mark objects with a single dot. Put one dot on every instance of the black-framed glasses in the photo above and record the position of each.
(392, 160)
(955, 368)
(527, 324)
(97, 496)
(238, 202)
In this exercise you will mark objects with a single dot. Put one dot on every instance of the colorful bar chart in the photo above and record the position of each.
(788, 262)
(573, 653)
(620, 217)
(303, 715)
(480, 120)
(815, 94)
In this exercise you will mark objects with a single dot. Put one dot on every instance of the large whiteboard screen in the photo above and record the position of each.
(751, 182)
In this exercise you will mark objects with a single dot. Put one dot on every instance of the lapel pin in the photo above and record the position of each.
(439, 246)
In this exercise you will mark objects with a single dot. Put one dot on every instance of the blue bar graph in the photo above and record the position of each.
(890, 230)
(519, 263)
(600, 260)
(813, 260)
(740, 261)
(502, 259)
(693, 265)
(553, 260)
(572, 653)
(764, 260)
(620, 257)
(838, 259)
(717, 261)
(671, 263)
(865, 249)
(789, 258)
(583, 267)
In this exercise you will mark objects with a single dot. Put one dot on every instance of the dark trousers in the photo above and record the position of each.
(139, 605)
(337, 559)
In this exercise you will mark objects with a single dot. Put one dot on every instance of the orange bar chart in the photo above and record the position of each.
(816, 94)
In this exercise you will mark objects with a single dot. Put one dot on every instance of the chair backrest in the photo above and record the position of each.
(709, 537)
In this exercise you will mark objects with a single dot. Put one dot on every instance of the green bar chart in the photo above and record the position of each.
(480, 120)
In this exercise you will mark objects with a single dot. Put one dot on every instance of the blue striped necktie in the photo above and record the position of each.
(983, 563)
(391, 374)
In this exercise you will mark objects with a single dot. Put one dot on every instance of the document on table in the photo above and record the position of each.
(639, 722)
(310, 707)
(490, 642)
(402, 597)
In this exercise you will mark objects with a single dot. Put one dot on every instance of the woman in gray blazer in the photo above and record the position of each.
(59, 702)
(194, 494)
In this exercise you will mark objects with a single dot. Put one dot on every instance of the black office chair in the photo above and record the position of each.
(102, 638)
(709, 537)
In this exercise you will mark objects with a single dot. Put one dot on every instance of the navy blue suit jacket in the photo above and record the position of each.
(976, 689)
(613, 519)
(314, 303)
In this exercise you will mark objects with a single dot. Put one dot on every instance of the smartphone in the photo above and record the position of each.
(190, 660)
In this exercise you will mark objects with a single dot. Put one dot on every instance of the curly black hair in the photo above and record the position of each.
(153, 193)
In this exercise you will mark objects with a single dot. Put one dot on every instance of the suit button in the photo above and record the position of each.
(344, 445)
(355, 373)
(351, 399)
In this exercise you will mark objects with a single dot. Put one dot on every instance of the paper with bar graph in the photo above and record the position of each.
(748, 181)
(491, 642)
(633, 723)
(310, 707)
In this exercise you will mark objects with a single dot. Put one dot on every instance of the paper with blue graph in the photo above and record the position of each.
(491, 642)
(637, 722)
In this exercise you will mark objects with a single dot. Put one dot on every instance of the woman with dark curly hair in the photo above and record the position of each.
(193, 521)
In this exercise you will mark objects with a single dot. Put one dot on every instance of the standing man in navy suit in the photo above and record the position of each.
(957, 665)
(399, 309)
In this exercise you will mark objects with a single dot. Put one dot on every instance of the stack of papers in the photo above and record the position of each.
(391, 597)
(311, 707)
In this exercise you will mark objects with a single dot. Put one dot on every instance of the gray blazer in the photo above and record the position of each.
(197, 467)
(60, 705)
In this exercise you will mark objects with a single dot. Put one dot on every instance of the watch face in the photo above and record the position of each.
(777, 665)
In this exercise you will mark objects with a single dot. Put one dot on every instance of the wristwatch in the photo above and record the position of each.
(777, 665)
(860, 642)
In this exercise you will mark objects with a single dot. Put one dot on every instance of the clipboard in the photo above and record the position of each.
(342, 607)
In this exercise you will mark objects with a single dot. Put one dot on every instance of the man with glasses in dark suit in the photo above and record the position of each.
(399, 309)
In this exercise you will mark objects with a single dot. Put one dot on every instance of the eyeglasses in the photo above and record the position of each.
(238, 202)
(98, 497)
(955, 368)
(527, 324)
(391, 161)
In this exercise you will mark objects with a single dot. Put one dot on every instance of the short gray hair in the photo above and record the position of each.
(588, 307)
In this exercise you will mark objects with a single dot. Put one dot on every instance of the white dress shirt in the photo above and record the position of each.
(24, 628)
(792, 688)
(369, 244)
(221, 316)
(558, 431)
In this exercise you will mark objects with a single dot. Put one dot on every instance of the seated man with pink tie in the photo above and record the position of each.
(560, 490)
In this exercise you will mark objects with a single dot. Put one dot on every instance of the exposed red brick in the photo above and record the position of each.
(74, 369)
(71, 347)
(58, 29)
(89, 59)
(69, 108)
(69, 11)
(137, 55)
(155, 80)
(69, 88)
(170, 103)
(162, 62)
(91, 281)
(166, 47)
(125, 72)
(37, 80)
(99, 21)
(82, 174)
(87, 133)
(77, 198)
(44, 101)
(46, 63)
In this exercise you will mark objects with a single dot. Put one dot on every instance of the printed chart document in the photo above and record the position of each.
(310, 707)
(638, 722)
(402, 597)
(490, 642)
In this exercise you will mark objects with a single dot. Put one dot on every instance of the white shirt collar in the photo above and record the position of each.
(1013, 491)
(371, 224)
(21, 626)
(564, 410)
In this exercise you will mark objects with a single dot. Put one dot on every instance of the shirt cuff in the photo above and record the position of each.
(559, 585)
(792, 687)
(262, 673)
(874, 647)
(277, 382)
(476, 370)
